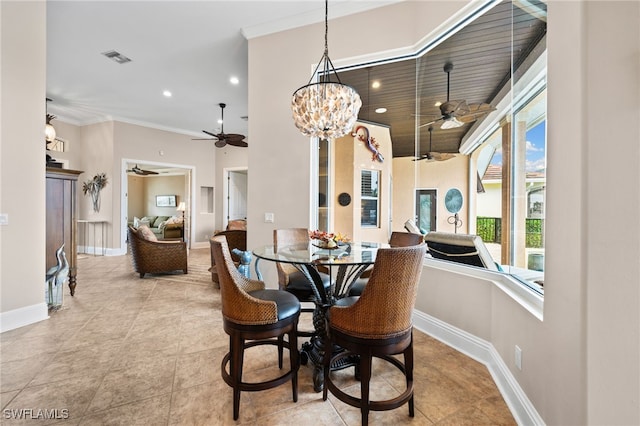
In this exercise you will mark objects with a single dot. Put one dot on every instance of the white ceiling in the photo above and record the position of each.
(191, 48)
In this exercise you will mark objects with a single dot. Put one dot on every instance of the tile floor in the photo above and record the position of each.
(127, 351)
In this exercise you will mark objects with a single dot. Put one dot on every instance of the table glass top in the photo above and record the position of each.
(353, 253)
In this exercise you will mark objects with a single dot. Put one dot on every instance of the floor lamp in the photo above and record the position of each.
(181, 208)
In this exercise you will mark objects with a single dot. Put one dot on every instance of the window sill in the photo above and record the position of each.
(526, 297)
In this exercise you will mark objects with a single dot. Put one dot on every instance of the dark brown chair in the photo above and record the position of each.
(235, 239)
(397, 239)
(377, 324)
(153, 257)
(289, 277)
(258, 315)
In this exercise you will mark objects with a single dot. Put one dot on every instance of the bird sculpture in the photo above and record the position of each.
(56, 278)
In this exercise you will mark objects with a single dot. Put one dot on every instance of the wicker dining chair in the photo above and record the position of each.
(377, 324)
(397, 239)
(153, 257)
(254, 316)
(236, 238)
(289, 277)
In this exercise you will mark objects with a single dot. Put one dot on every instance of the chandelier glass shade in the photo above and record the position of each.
(325, 109)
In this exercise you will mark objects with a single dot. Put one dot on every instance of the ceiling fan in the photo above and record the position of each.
(434, 156)
(137, 170)
(223, 138)
(458, 113)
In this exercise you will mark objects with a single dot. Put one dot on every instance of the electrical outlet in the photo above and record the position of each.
(4, 219)
(518, 354)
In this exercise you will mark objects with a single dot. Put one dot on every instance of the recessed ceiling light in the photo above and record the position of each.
(167, 94)
(234, 80)
(381, 110)
(375, 84)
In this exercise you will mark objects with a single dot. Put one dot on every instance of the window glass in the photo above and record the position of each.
(369, 198)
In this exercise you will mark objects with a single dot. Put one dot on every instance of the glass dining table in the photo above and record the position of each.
(345, 264)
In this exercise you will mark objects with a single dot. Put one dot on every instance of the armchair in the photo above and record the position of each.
(151, 256)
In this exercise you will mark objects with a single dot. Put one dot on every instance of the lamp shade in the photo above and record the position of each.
(181, 207)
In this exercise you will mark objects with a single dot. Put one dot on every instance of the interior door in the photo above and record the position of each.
(237, 206)
(426, 210)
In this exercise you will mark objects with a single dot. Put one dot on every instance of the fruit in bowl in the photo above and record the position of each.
(327, 240)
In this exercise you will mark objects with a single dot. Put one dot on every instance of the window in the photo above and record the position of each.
(370, 202)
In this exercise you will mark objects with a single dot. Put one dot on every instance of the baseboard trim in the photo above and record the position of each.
(482, 351)
(23, 316)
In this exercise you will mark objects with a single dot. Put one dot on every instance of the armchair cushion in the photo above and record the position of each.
(146, 233)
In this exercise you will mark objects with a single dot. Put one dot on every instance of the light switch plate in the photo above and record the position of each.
(4, 219)
(269, 218)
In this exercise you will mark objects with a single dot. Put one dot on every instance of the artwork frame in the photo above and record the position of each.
(166, 201)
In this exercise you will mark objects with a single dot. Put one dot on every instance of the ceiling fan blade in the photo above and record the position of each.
(211, 134)
(233, 137)
(203, 139)
(442, 156)
(241, 144)
(431, 122)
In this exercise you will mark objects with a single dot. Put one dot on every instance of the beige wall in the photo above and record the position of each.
(580, 365)
(351, 156)
(22, 162)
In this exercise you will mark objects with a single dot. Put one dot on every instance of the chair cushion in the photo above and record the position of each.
(346, 301)
(287, 304)
(300, 286)
(357, 287)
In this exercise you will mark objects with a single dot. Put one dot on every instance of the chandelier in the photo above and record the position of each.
(325, 109)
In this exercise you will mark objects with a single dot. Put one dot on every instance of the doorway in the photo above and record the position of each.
(146, 202)
(235, 194)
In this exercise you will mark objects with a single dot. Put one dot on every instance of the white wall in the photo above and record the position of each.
(580, 364)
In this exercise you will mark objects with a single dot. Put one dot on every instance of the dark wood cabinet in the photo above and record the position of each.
(62, 216)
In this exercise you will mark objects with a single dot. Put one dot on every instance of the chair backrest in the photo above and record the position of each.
(385, 307)
(236, 239)
(237, 305)
(290, 237)
(405, 239)
(283, 238)
(461, 248)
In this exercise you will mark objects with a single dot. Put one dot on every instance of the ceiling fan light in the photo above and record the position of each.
(452, 123)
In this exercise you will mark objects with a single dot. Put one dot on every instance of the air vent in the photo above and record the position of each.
(116, 56)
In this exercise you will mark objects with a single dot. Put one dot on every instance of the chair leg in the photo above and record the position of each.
(326, 366)
(280, 350)
(294, 363)
(237, 357)
(408, 366)
(365, 379)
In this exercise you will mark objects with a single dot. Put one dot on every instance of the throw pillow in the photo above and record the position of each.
(136, 222)
(150, 220)
(158, 221)
(146, 233)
